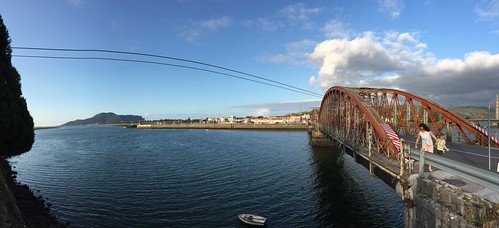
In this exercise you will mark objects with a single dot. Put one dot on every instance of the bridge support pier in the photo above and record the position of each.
(317, 138)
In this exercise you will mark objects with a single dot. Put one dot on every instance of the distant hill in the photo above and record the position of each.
(105, 118)
(473, 112)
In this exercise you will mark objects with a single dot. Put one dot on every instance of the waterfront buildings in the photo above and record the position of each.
(289, 119)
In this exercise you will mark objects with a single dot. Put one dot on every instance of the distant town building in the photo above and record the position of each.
(314, 116)
(302, 118)
(291, 119)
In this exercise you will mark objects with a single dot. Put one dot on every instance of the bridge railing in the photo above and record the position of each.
(483, 177)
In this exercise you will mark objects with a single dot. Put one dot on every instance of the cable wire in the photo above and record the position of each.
(164, 64)
(165, 57)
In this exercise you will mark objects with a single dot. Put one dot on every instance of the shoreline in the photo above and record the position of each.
(293, 127)
(19, 207)
(46, 127)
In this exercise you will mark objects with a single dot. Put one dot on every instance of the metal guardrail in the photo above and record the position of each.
(483, 177)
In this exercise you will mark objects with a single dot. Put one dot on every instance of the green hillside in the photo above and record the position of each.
(106, 118)
(473, 112)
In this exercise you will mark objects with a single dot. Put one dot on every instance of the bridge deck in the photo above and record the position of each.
(474, 155)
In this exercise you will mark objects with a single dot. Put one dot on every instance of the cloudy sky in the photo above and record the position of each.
(280, 54)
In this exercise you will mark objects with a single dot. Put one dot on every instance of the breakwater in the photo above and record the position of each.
(226, 126)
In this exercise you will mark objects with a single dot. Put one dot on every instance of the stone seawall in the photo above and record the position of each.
(443, 200)
(301, 127)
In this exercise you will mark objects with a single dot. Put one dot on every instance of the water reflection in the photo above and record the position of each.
(348, 196)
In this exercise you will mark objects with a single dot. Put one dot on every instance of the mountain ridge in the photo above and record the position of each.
(105, 118)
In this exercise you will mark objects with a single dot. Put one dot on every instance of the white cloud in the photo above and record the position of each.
(312, 80)
(263, 24)
(278, 59)
(487, 9)
(295, 53)
(262, 112)
(335, 29)
(394, 7)
(268, 25)
(400, 60)
(198, 29)
(281, 108)
(298, 12)
(299, 45)
(214, 24)
(390, 79)
(349, 61)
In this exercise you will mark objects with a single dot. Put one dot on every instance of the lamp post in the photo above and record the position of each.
(488, 130)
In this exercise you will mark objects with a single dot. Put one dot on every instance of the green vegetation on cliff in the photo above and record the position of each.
(16, 124)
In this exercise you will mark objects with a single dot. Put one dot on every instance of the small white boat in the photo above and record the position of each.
(252, 219)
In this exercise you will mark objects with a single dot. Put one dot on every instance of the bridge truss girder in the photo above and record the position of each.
(404, 111)
(357, 114)
(346, 116)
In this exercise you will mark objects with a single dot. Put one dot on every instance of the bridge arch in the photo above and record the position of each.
(360, 115)
(345, 115)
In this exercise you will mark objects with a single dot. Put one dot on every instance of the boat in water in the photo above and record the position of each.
(252, 219)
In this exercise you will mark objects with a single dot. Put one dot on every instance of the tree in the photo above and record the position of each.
(16, 124)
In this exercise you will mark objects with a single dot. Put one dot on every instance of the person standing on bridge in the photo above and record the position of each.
(441, 148)
(425, 135)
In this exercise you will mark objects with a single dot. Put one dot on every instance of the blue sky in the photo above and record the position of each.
(448, 53)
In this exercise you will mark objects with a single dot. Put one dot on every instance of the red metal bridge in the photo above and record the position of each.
(370, 121)
(367, 123)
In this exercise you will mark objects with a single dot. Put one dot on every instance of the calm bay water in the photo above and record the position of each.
(116, 177)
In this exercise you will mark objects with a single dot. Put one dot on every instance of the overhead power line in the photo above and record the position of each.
(164, 64)
(294, 88)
